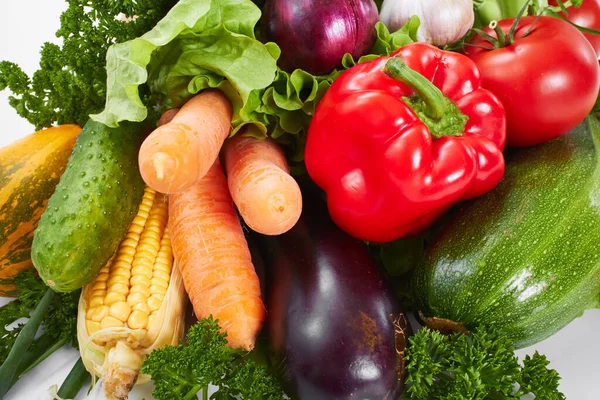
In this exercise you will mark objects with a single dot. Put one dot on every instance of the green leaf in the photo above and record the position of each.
(480, 365)
(70, 83)
(198, 44)
(202, 44)
(402, 255)
(286, 107)
(386, 42)
(536, 378)
(181, 371)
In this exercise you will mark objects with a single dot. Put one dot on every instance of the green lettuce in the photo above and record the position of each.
(197, 45)
(204, 44)
(287, 105)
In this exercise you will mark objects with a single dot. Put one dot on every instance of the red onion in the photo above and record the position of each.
(315, 34)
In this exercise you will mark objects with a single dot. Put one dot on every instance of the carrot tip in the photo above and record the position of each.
(162, 161)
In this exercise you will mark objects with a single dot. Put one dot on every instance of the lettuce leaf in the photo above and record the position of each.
(204, 44)
(288, 104)
(198, 44)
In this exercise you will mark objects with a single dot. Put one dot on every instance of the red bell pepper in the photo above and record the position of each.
(398, 140)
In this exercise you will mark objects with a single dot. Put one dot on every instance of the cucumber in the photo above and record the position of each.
(89, 212)
(524, 258)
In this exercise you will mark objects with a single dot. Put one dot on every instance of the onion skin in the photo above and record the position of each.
(314, 35)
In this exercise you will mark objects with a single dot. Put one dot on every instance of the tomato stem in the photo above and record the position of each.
(503, 41)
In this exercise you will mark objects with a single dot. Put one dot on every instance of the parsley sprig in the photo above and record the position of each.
(180, 372)
(478, 366)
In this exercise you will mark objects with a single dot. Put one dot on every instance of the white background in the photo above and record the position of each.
(26, 24)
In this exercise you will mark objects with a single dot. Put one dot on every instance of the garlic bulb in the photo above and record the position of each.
(442, 21)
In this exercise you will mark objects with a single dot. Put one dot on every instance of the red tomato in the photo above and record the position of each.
(547, 81)
(588, 16)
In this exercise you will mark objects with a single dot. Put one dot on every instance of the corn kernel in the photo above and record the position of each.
(114, 297)
(135, 298)
(151, 319)
(132, 237)
(125, 258)
(98, 293)
(142, 307)
(99, 285)
(137, 320)
(99, 313)
(110, 322)
(117, 279)
(142, 269)
(158, 289)
(92, 327)
(123, 272)
(89, 313)
(102, 277)
(120, 310)
(96, 301)
(155, 301)
(140, 289)
(162, 275)
(140, 280)
(150, 243)
(161, 265)
(119, 287)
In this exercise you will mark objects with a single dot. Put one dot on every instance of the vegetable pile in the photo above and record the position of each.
(303, 175)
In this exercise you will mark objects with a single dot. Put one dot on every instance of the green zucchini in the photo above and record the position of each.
(525, 258)
(89, 212)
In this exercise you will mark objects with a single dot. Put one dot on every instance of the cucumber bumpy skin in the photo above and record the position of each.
(523, 258)
(93, 205)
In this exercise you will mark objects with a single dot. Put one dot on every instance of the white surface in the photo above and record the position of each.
(26, 24)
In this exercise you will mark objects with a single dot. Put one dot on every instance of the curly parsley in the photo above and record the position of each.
(180, 372)
(71, 81)
(478, 366)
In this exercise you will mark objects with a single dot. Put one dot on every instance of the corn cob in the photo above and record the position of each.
(135, 304)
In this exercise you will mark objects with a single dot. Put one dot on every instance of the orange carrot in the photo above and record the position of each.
(179, 153)
(214, 259)
(267, 197)
(168, 116)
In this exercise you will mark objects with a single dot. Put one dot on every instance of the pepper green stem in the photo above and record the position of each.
(432, 96)
(435, 110)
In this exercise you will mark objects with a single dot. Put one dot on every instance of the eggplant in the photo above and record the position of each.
(335, 328)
